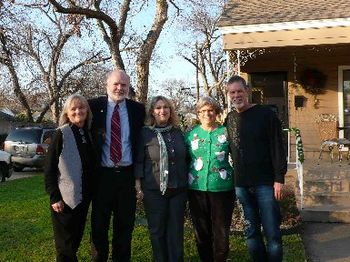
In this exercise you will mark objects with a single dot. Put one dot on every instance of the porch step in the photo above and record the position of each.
(326, 185)
(327, 172)
(326, 192)
(316, 199)
(326, 213)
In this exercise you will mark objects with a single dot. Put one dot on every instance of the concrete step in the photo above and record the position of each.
(327, 185)
(326, 213)
(326, 175)
(319, 199)
(322, 172)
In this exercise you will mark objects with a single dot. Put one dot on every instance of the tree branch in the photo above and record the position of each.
(86, 12)
(178, 9)
(90, 60)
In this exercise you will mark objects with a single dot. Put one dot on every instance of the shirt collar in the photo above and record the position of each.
(112, 104)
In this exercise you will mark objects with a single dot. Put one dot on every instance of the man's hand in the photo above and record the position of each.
(278, 190)
(58, 206)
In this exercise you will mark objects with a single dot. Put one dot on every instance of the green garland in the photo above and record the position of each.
(299, 141)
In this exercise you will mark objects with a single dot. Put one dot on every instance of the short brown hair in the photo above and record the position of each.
(173, 120)
(237, 79)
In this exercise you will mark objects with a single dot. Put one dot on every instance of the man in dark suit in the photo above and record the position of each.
(117, 122)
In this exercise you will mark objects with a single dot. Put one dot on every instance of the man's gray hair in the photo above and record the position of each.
(238, 79)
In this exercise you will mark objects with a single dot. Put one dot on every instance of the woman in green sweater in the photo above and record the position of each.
(211, 194)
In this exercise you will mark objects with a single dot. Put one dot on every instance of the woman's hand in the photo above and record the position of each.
(58, 206)
(139, 193)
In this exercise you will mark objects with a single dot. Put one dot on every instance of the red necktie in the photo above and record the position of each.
(116, 144)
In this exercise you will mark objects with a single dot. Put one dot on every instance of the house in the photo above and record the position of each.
(299, 59)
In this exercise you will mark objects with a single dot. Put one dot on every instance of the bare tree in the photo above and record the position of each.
(6, 58)
(114, 31)
(180, 94)
(207, 56)
(44, 52)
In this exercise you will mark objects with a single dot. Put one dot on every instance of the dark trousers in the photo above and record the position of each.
(68, 228)
(165, 217)
(115, 195)
(211, 214)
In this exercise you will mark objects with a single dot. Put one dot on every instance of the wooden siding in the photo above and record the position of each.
(324, 58)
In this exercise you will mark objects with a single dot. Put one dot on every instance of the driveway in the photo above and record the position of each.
(27, 172)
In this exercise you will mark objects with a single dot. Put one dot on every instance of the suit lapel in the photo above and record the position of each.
(104, 112)
(129, 108)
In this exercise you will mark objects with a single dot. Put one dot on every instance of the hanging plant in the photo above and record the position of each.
(313, 81)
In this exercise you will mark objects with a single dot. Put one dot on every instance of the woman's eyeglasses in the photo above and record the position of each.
(209, 111)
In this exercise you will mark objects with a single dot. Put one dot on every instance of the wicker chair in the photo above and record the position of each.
(328, 131)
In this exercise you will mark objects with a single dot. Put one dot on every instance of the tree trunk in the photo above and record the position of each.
(19, 94)
(147, 48)
(142, 70)
(55, 114)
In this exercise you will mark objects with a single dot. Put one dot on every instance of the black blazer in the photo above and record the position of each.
(136, 114)
(148, 157)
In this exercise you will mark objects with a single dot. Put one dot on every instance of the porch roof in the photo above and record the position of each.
(276, 23)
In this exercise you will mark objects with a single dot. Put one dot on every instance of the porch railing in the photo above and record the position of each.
(298, 164)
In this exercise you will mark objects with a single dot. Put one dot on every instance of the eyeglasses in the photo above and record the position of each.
(82, 135)
(209, 111)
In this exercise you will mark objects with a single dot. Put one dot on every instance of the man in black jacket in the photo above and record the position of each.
(255, 137)
(116, 126)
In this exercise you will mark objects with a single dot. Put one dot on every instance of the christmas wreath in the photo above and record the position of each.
(313, 81)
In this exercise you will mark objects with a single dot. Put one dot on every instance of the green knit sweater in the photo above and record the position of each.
(209, 169)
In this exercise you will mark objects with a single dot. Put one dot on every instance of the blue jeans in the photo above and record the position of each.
(261, 209)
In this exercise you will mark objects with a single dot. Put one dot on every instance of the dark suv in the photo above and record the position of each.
(28, 146)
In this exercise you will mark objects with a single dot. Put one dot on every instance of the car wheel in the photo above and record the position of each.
(18, 168)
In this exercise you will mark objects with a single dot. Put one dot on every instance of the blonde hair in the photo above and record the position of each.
(64, 114)
(173, 120)
(208, 101)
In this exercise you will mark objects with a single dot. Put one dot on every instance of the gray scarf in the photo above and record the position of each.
(163, 163)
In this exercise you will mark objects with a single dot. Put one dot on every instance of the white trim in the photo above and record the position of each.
(341, 97)
(285, 26)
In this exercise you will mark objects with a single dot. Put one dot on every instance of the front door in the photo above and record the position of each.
(270, 88)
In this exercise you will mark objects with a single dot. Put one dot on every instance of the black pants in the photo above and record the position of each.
(211, 214)
(68, 228)
(165, 217)
(115, 195)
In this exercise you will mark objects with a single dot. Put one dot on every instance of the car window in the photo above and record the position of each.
(47, 137)
(25, 135)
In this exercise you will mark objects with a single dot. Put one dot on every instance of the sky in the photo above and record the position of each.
(171, 64)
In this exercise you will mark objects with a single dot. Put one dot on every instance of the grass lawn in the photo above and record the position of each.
(26, 231)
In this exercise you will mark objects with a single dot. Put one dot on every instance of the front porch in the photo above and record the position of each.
(296, 106)
(296, 58)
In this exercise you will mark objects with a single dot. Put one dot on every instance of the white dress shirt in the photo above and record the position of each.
(125, 136)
